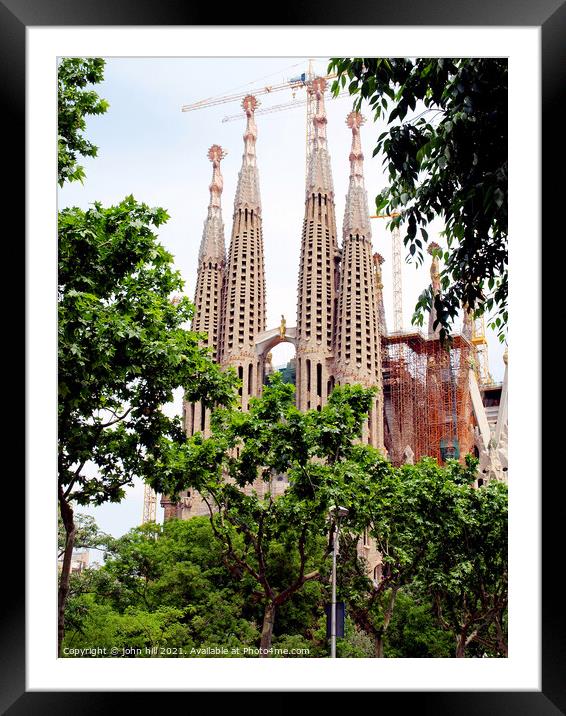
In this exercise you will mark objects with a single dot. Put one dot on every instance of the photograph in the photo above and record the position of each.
(282, 357)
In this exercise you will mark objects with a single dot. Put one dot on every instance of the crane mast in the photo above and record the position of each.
(397, 274)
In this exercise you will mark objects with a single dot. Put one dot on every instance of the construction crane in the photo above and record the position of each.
(294, 83)
(397, 281)
(291, 105)
(302, 81)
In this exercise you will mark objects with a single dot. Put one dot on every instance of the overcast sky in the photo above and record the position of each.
(149, 148)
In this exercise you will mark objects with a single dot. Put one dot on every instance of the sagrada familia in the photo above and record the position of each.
(429, 399)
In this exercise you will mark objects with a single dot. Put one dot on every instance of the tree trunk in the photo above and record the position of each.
(501, 639)
(267, 629)
(69, 523)
(461, 645)
(378, 639)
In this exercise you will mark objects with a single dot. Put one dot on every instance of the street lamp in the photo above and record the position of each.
(336, 514)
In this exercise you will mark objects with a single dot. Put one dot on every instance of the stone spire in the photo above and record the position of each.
(208, 291)
(247, 191)
(212, 256)
(243, 307)
(435, 286)
(467, 323)
(318, 270)
(358, 340)
(319, 173)
(356, 215)
(212, 246)
(206, 320)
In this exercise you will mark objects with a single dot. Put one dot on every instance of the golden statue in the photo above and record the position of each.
(283, 326)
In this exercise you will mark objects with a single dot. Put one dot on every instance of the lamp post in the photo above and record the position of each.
(336, 514)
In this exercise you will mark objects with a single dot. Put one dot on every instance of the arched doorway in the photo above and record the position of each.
(264, 345)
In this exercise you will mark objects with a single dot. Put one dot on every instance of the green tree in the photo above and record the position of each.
(123, 347)
(414, 632)
(123, 350)
(446, 156)
(178, 570)
(314, 449)
(74, 103)
(412, 513)
(467, 575)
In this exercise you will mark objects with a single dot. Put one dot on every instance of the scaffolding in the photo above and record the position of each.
(426, 397)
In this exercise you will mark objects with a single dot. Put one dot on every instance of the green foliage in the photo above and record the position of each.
(316, 451)
(74, 103)
(414, 632)
(162, 586)
(133, 633)
(467, 577)
(176, 588)
(123, 350)
(448, 159)
(435, 532)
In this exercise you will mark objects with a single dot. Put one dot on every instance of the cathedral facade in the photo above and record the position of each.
(424, 403)
(337, 334)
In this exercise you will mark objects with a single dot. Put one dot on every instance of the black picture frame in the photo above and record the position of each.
(550, 15)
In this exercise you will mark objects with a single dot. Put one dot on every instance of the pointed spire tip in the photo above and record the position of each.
(250, 103)
(216, 153)
(355, 119)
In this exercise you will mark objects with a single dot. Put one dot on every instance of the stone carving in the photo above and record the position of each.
(408, 456)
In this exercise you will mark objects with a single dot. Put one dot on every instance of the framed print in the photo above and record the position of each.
(34, 36)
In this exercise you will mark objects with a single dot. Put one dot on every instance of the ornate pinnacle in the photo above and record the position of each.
(215, 155)
(378, 260)
(212, 242)
(319, 175)
(249, 104)
(320, 120)
(247, 192)
(356, 215)
(434, 267)
(355, 120)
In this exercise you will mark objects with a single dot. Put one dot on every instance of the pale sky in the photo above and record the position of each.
(149, 148)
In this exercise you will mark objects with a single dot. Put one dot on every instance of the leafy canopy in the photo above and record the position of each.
(446, 155)
(123, 349)
(74, 103)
